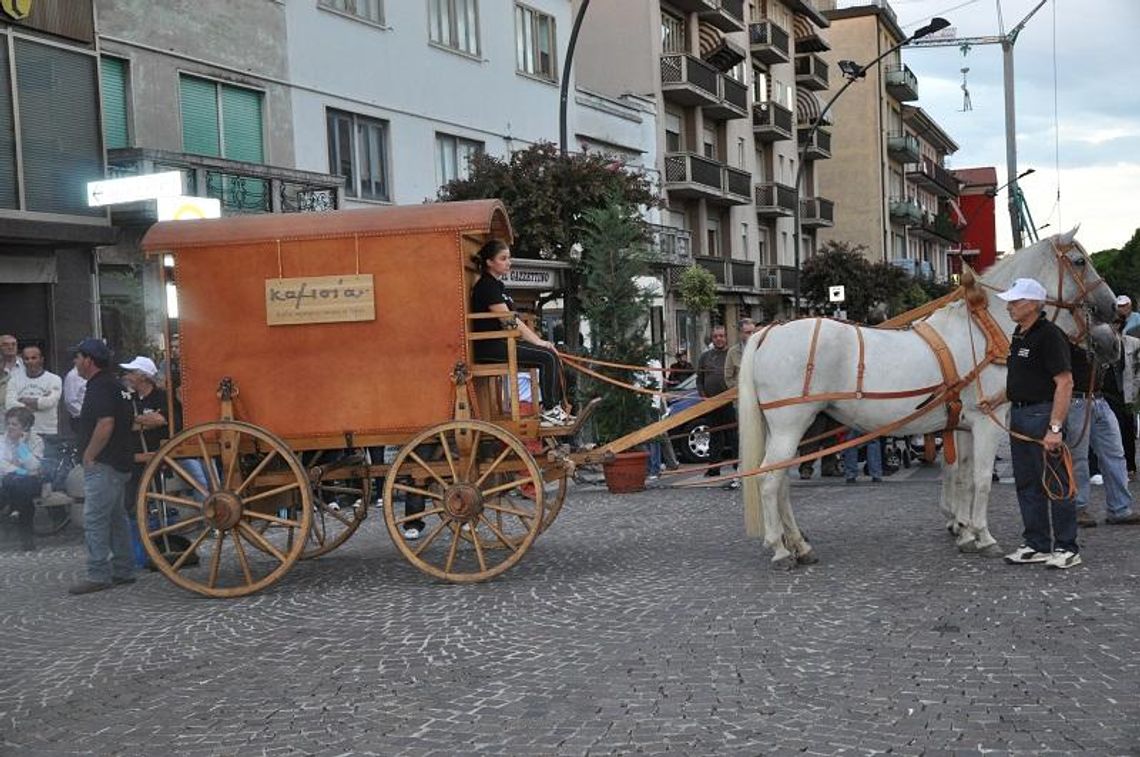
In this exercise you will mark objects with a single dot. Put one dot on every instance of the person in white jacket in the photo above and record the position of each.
(38, 390)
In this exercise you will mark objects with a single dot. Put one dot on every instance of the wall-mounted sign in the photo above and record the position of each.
(134, 188)
(182, 208)
(17, 9)
(531, 278)
(74, 19)
(836, 293)
(320, 299)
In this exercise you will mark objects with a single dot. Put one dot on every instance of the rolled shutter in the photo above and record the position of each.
(8, 195)
(199, 102)
(114, 79)
(241, 124)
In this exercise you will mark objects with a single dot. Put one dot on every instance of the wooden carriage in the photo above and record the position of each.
(309, 344)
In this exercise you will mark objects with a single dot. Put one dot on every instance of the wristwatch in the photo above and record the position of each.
(1055, 428)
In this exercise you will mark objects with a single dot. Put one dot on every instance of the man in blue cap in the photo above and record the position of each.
(104, 441)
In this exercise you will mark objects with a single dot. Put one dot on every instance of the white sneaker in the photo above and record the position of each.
(1025, 554)
(1096, 479)
(411, 534)
(1063, 559)
(556, 416)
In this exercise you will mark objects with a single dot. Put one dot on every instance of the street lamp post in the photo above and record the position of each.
(852, 72)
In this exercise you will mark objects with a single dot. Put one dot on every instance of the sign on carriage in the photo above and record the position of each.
(319, 299)
(837, 293)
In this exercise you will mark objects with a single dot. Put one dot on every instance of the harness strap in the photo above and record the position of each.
(829, 396)
(811, 356)
(862, 366)
(950, 376)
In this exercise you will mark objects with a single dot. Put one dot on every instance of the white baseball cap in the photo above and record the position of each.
(142, 365)
(1024, 289)
(1123, 299)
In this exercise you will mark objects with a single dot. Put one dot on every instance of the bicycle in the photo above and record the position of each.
(53, 507)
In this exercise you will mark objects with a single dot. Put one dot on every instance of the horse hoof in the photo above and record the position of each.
(991, 550)
(807, 558)
(968, 547)
(785, 563)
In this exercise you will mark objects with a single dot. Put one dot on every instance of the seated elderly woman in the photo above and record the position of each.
(21, 455)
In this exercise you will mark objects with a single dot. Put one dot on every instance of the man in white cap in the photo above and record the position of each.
(150, 426)
(1127, 315)
(1039, 387)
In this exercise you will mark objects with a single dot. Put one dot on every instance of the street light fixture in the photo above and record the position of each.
(852, 72)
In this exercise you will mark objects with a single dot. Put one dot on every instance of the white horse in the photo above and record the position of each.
(873, 378)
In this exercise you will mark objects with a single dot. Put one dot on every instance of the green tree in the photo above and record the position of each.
(614, 256)
(1121, 267)
(548, 196)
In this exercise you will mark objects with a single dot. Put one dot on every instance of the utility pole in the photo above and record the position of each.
(1007, 41)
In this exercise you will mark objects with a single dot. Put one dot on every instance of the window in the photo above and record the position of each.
(358, 151)
(113, 72)
(221, 120)
(709, 143)
(713, 236)
(744, 240)
(672, 132)
(759, 86)
(369, 10)
(453, 154)
(782, 94)
(455, 24)
(672, 34)
(534, 43)
(9, 192)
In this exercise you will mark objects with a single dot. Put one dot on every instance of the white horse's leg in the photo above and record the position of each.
(963, 491)
(794, 539)
(951, 488)
(987, 436)
(785, 430)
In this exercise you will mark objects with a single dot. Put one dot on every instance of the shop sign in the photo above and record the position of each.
(182, 208)
(531, 278)
(320, 299)
(17, 9)
(134, 188)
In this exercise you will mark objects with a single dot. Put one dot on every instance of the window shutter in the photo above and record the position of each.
(114, 75)
(8, 196)
(199, 99)
(241, 125)
(60, 138)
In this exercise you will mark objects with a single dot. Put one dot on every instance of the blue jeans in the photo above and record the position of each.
(874, 458)
(655, 458)
(1049, 524)
(1103, 434)
(105, 526)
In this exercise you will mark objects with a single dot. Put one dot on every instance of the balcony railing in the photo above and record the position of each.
(905, 210)
(929, 175)
(768, 42)
(730, 272)
(241, 187)
(715, 266)
(694, 6)
(771, 122)
(775, 200)
(732, 101)
(816, 213)
(936, 228)
(671, 246)
(811, 72)
(688, 80)
(737, 185)
(727, 15)
(903, 147)
(689, 175)
(777, 278)
(819, 148)
(902, 84)
(743, 273)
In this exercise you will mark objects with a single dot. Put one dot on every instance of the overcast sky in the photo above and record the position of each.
(1097, 114)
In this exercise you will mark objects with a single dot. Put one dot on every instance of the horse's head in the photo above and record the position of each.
(1104, 342)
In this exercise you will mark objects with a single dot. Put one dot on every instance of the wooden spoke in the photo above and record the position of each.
(256, 472)
(427, 468)
(447, 454)
(242, 559)
(491, 468)
(174, 500)
(476, 438)
(427, 540)
(334, 489)
(260, 541)
(498, 533)
(208, 464)
(454, 550)
(216, 560)
(513, 484)
(175, 527)
(177, 468)
(416, 490)
(230, 455)
(317, 531)
(273, 492)
(510, 511)
(186, 555)
(272, 519)
(335, 515)
(477, 543)
(419, 516)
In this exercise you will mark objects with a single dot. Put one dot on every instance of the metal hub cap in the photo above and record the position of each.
(222, 510)
(463, 502)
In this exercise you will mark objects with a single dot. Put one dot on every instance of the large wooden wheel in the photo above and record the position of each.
(340, 505)
(477, 522)
(216, 504)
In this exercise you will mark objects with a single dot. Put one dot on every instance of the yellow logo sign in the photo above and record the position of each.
(17, 9)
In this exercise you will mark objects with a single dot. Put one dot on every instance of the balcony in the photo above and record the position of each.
(933, 177)
(905, 210)
(670, 246)
(732, 101)
(726, 15)
(737, 186)
(241, 187)
(819, 148)
(807, 9)
(903, 147)
(816, 213)
(811, 72)
(936, 228)
(694, 6)
(902, 84)
(691, 176)
(730, 273)
(778, 279)
(771, 122)
(775, 200)
(768, 42)
(688, 80)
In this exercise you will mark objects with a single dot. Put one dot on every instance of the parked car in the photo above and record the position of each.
(693, 442)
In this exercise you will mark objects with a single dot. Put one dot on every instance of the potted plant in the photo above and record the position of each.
(617, 307)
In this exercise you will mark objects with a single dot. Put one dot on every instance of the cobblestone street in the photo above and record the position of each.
(644, 623)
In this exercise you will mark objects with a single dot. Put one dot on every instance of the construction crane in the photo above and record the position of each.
(1019, 218)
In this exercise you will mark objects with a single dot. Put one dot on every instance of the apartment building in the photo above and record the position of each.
(733, 82)
(893, 192)
(50, 147)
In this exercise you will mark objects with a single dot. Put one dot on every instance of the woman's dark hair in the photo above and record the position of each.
(21, 414)
(488, 251)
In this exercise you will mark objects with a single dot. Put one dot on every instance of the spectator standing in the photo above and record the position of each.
(104, 439)
(38, 390)
(710, 382)
(1039, 386)
(679, 370)
(1126, 314)
(21, 455)
(747, 327)
(10, 364)
(150, 426)
(1121, 389)
(74, 387)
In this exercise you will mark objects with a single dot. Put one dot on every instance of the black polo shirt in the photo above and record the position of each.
(106, 398)
(1035, 357)
(1085, 379)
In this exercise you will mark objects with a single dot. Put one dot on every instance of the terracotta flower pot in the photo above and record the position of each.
(626, 472)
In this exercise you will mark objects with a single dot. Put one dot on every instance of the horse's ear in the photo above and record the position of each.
(1066, 239)
(968, 276)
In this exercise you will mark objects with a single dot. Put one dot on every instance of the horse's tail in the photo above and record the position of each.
(752, 431)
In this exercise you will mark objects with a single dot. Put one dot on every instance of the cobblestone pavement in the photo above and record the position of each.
(644, 623)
